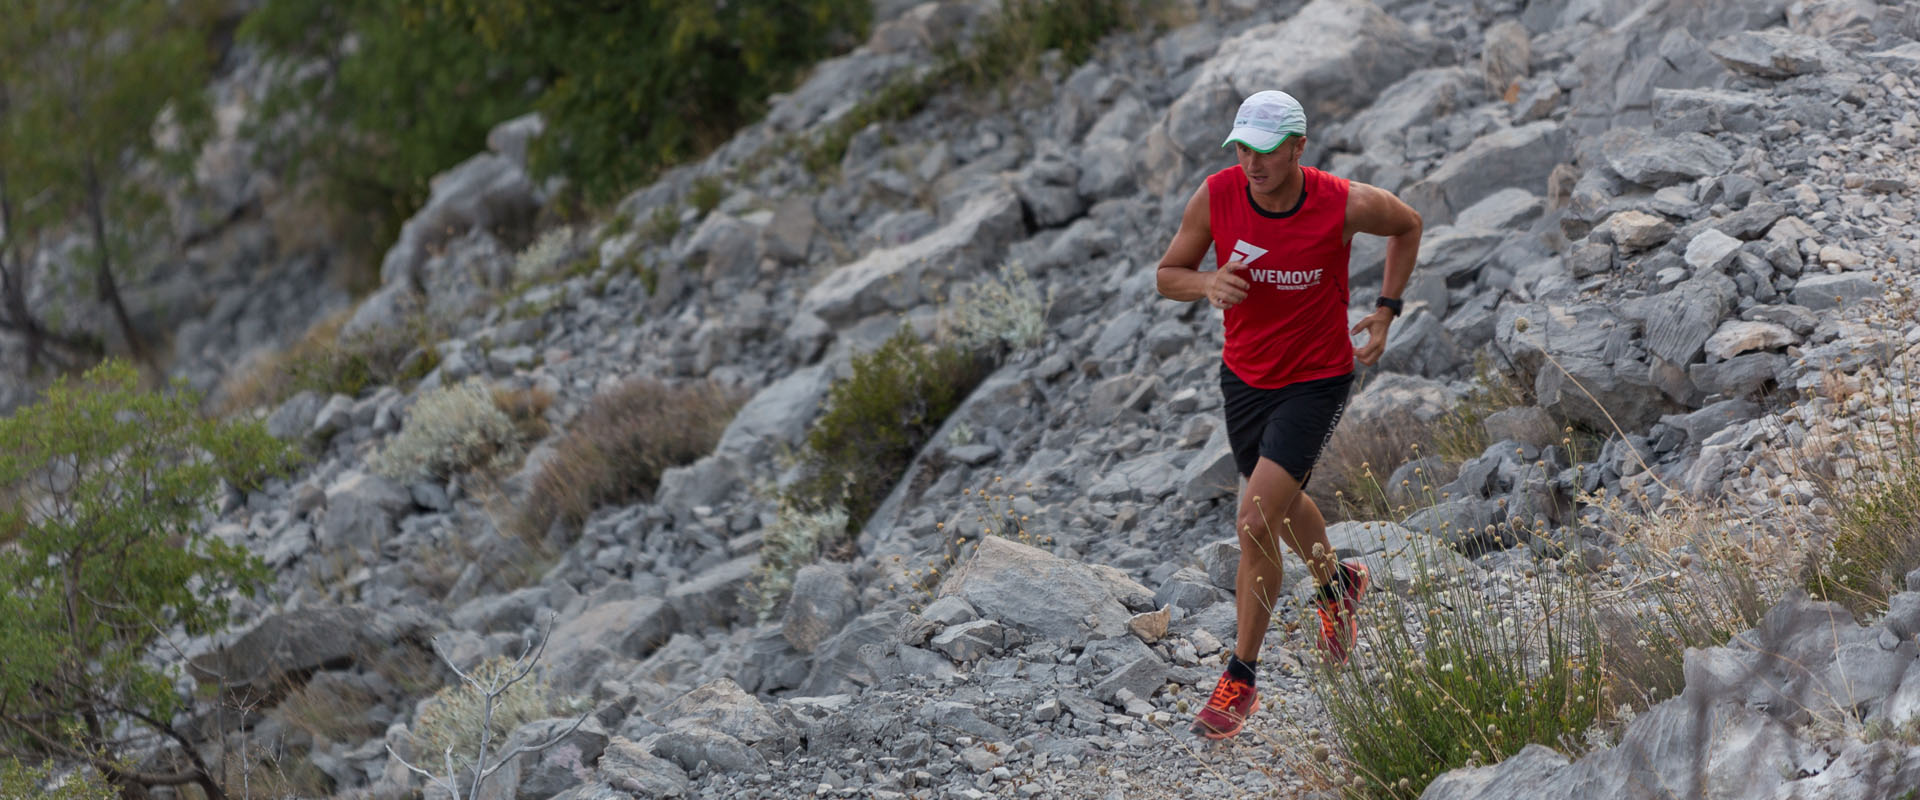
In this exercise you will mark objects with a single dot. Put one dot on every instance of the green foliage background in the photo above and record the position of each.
(105, 491)
(626, 88)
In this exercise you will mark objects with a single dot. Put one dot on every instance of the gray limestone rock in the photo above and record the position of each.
(823, 599)
(713, 596)
(1035, 591)
(628, 767)
(1511, 157)
(362, 510)
(293, 420)
(1775, 54)
(1190, 589)
(1735, 337)
(1529, 424)
(292, 645)
(1335, 56)
(900, 278)
(1418, 344)
(1656, 161)
(1212, 473)
(485, 192)
(1824, 291)
(560, 766)
(1711, 250)
(629, 629)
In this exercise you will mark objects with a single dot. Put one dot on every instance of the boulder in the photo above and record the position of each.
(1511, 157)
(1571, 352)
(278, 653)
(362, 510)
(900, 278)
(1654, 161)
(1037, 592)
(1822, 291)
(627, 767)
(1735, 337)
(627, 629)
(294, 418)
(1334, 56)
(485, 192)
(1212, 473)
(713, 597)
(1775, 54)
(823, 599)
(777, 415)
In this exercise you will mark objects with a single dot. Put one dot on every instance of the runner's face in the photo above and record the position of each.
(1267, 171)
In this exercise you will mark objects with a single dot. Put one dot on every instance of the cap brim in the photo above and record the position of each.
(1255, 139)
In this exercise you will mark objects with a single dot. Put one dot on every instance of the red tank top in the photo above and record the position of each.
(1293, 325)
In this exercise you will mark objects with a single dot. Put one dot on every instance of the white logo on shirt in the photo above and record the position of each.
(1287, 279)
(1246, 253)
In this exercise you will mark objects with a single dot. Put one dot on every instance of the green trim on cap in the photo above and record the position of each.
(1276, 145)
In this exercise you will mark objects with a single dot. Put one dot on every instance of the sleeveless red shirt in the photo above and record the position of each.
(1293, 325)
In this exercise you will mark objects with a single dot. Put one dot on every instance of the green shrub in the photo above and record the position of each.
(876, 421)
(791, 542)
(105, 495)
(1008, 47)
(1455, 676)
(1012, 43)
(995, 313)
(616, 450)
(705, 194)
(448, 430)
(17, 781)
(453, 718)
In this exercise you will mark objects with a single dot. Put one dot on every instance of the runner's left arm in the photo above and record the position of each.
(1376, 211)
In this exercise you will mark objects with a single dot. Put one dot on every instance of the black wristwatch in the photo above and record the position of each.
(1392, 304)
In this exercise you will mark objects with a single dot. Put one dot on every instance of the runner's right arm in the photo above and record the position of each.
(1179, 276)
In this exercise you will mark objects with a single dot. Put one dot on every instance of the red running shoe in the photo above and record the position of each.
(1340, 617)
(1227, 710)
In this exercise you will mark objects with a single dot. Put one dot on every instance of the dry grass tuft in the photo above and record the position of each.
(617, 449)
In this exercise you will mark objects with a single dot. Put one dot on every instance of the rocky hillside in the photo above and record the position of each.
(1673, 223)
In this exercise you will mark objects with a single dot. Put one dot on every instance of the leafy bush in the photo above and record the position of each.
(616, 450)
(1009, 46)
(374, 98)
(1007, 311)
(454, 717)
(450, 429)
(40, 782)
(876, 421)
(320, 362)
(791, 542)
(105, 494)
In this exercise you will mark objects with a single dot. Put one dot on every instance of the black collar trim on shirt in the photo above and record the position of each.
(1278, 214)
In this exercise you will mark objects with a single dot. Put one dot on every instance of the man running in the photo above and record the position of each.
(1281, 234)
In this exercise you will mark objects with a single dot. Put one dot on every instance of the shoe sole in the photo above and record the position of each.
(1218, 735)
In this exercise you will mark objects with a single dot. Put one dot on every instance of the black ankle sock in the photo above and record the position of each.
(1342, 582)
(1242, 671)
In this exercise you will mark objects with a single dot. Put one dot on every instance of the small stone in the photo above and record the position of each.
(1711, 250)
(1842, 257)
(1639, 230)
(1152, 625)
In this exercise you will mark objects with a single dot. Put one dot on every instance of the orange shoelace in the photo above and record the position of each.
(1225, 693)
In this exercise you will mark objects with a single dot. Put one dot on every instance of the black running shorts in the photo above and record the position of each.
(1289, 425)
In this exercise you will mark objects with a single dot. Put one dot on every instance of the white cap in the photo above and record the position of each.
(1266, 119)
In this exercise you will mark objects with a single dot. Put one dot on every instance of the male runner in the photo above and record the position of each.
(1281, 234)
